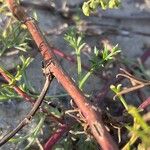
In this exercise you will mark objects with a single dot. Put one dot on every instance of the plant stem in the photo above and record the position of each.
(56, 136)
(29, 116)
(123, 102)
(145, 104)
(84, 79)
(79, 66)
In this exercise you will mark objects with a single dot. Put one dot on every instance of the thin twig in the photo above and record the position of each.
(39, 144)
(28, 98)
(136, 82)
(29, 116)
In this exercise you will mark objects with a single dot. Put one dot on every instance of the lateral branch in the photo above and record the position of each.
(29, 116)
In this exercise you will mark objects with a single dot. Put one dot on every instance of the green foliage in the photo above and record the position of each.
(92, 5)
(21, 68)
(3, 8)
(13, 36)
(140, 129)
(107, 55)
(76, 42)
(74, 39)
(6, 91)
(98, 62)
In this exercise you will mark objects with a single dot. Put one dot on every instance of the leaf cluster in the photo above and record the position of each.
(76, 42)
(6, 91)
(92, 5)
(100, 58)
(13, 35)
(74, 39)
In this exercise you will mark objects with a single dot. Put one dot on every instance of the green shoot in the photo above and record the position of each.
(12, 33)
(21, 68)
(7, 93)
(109, 55)
(97, 63)
(4, 9)
(116, 90)
(75, 41)
(140, 129)
(135, 113)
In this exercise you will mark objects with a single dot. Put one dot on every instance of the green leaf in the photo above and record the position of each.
(86, 9)
(92, 5)
(135, 113)
(80, 47)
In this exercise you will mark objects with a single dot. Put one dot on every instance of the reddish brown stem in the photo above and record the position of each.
(56, 136)
(92, 116)
(145, 104)
(17, 89)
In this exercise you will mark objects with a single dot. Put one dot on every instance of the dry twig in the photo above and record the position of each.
(29, 116)
(137, 83)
